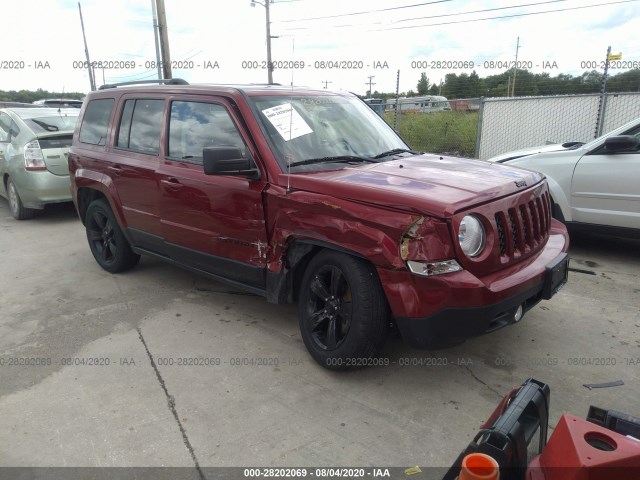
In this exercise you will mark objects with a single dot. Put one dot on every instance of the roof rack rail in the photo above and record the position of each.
(166, 81)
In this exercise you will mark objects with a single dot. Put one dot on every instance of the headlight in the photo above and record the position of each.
(471, 236)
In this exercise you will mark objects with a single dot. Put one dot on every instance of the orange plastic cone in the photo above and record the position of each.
(478, 466)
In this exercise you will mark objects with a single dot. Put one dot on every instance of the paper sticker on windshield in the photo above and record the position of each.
(287, 121)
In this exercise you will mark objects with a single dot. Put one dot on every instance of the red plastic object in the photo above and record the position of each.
(581, 450)
(478, 466)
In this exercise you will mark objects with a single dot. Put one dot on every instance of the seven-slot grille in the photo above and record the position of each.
(525, 227)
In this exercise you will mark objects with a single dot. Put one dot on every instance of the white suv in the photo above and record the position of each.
(595, 184)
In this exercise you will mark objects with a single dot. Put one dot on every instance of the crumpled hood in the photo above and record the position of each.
(431, 184)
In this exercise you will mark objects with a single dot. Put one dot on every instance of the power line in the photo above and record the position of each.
(505, 16)
(364, 13)
(469, 20)
(479, 11)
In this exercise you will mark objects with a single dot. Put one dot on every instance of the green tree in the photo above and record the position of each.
(423, 84)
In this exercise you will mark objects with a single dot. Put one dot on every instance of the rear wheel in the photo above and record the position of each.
(18, 211)
(108, 244)
(342, 311)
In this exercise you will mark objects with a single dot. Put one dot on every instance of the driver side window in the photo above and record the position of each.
(195, 125)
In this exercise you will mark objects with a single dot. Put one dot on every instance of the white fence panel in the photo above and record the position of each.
(620, 108)
(514, 123)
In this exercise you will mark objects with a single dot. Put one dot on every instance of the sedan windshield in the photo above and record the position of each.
(58, 123)
(325, 131)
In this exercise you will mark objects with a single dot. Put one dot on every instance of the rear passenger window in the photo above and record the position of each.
(195, 125)
(140, 125)
(95, 122)
(5, 130)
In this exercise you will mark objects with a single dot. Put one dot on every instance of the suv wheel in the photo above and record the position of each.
(342, 311)
(18, 211)
(107, 242)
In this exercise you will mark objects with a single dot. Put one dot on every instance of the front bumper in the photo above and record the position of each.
(446, 309)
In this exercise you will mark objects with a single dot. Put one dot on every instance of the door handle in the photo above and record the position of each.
(172, 184)
(117, 170)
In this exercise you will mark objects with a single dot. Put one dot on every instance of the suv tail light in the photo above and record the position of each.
(33, 157)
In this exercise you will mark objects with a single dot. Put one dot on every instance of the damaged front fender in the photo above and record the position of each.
(426, 239)
(385, 237)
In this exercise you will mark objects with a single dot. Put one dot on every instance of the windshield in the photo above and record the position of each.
(324, 131)
(60, 123)
(628, 129)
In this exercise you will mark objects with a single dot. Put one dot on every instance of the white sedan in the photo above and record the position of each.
(593, 184)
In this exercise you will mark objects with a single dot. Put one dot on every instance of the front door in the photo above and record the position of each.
(606, 187)
(210, 222)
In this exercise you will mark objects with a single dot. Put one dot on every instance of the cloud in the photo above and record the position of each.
(232, 33)
(621, 16)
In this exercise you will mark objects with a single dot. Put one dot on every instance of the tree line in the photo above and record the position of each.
(30, 96)
(526, 84)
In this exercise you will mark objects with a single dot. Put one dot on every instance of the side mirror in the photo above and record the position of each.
(228, 161)
(621, 143)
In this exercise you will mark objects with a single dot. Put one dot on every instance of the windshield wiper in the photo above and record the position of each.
(336, 159)
(45, 125)
(395, 151)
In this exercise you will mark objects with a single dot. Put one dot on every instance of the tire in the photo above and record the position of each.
(18, 211)
(556, 212)
(108, 244)
(342, 311)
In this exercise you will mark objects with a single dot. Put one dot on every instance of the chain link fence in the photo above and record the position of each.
(507, 124)
(483, 128)
(435, 124)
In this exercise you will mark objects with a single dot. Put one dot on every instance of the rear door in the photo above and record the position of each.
(605, 188)
(133, 164)
(213, 223)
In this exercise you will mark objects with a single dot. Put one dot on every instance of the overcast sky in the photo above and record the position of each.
(368, 37)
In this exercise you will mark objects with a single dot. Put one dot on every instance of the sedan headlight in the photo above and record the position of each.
(471, 236)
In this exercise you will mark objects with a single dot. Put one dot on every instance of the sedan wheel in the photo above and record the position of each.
(18, 211)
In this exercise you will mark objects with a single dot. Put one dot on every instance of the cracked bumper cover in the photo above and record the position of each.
(445, 310)
(452, 326)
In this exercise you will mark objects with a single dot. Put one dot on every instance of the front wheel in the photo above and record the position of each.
(108, 244)
(342, 311)
(556, 212)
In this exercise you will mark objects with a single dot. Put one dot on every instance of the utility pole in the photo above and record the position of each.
(92, 80)
(396, 120)
(269, 37)
(164, 39)
(515, 70)
(326, 82)
(269, 63)
(603, 96)
(155, 38)
(371, 84)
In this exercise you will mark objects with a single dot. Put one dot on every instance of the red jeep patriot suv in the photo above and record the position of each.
(308, 196)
